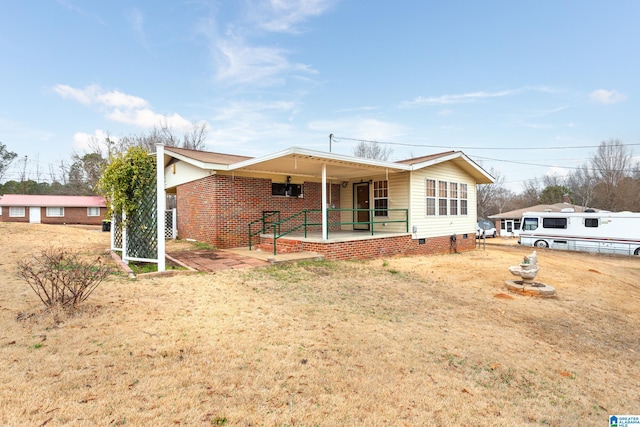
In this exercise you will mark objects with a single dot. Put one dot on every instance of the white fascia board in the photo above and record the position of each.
(197, 163)
(437, 160)
(453, 156)
(320, 155)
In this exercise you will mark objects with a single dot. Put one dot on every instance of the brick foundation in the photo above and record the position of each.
(373, 247)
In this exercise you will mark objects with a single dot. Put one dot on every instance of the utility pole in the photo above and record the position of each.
(330, 140)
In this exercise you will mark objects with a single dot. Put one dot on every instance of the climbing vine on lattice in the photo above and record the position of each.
(129, 185)
(126, 180)
(142, 226)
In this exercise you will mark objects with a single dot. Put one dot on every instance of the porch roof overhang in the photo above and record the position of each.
(304, 162)
(309, 163)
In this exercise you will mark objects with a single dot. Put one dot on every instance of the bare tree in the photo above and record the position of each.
(372, 150)
(504, 200)
(194, 137)
(531, 194)
(553, 180)
(612, 162)
(6, 158)
(582, 184)
(490, 198)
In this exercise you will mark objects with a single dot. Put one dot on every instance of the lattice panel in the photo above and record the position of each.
(116, 229)
(142, 229)
(169, 222)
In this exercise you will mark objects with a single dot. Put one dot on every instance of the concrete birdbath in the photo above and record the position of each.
(527, 271)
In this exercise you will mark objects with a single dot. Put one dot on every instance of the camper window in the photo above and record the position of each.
(591, 222)
(530, 224)
(554, 222)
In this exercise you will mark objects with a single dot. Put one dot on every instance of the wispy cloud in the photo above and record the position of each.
(285, 16)
(607, 97)
(80, 11)
(239, 123)
(88, 141)
(557, 171)
(460, 98)
(136, 20)
(241, 63)
(240, 58)
(356, 109)
(120, 107)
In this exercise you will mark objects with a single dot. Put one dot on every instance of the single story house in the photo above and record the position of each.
(508, 223)
(343, 207)
(46, 209)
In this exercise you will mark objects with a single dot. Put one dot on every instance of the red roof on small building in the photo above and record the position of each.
(52, 201)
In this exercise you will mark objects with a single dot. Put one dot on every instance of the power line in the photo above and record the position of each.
(338, 138)
(524, 163)
(554, 166)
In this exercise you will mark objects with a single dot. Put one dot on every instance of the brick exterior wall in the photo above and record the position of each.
(217, 209)
(71, 216)
(376, 248)
(6, 218)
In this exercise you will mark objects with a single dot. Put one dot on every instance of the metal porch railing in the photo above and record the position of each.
(306, 220)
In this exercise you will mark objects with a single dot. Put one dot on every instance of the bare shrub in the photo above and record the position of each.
(60, 276)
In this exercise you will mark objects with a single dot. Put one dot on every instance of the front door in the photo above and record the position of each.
(34, 215)
(361, 201)
(509, 223)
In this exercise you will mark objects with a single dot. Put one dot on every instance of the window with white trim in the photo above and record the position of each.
(464, 209)
(431, 197)
(381, 198)
(442, 198)
(453, 198)
(93, 211)
(55, 212)
(16, 211)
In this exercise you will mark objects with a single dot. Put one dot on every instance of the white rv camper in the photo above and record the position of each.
(602, 232)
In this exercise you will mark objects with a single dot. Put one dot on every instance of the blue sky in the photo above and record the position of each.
(494, 79)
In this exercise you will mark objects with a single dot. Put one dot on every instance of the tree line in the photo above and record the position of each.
(610, 180)
(79, 175)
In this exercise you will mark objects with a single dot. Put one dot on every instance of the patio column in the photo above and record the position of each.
(325, 229)
(160, 202)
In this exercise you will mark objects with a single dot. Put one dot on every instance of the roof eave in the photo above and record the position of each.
(481, 176)
(320, 155)
(198, 163)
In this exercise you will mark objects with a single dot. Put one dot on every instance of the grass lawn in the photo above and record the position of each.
(411, 341)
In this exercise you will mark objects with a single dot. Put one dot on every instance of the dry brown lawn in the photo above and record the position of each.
(410, 341)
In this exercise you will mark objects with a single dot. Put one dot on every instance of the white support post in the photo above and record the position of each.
(174, 223)
(325, 228)
(160, 202)
(112, 233)
(125, 257)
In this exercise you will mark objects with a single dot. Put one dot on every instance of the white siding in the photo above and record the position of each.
(346, 202)
(398, 199)
(181, 172)
(433, 226)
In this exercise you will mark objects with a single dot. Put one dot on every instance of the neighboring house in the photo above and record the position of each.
(89, 210)
(508, 223)
(343, 207)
